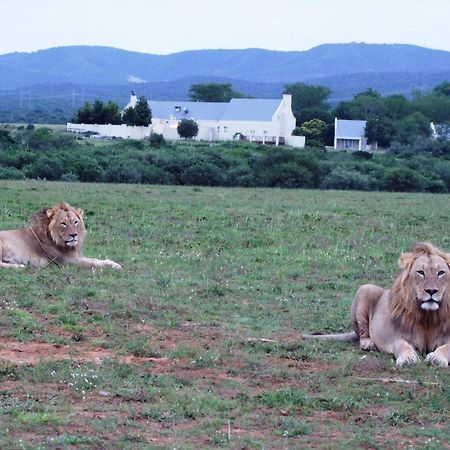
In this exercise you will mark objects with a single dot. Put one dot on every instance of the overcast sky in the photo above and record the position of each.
(168, 26)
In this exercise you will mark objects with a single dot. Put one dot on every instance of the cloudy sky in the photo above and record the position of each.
(168, 26)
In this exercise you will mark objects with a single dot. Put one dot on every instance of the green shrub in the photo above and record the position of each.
(120, 172)
(203, 174)
(340, 178)
(69, 176)
(404, 179)
(45, 168)
(11, 173)
(157, 140)
(151, 174)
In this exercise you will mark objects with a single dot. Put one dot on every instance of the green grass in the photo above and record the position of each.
(207, 274)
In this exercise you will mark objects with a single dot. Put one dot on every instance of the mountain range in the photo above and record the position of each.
(65, 77)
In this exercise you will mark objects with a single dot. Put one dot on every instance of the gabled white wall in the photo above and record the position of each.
(281, 126)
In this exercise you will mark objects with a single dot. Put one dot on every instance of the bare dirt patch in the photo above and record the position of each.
(31, 353)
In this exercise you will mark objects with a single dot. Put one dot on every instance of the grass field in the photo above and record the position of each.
(196, 343)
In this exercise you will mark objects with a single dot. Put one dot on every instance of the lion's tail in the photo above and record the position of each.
(342, 337)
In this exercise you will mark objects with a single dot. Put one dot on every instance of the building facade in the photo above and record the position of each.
(263, 121)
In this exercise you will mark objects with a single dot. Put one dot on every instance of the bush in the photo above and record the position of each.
(286, 168)
(151, 174)
(88, 170)
(11, 173)
(157, 140)
(69, 176)
(45, 168)
(286, 175)
(203, 174)
(404, 179)
(340, 178)
(359, 154)
(436, 185)
(5, 137)
(119, 172)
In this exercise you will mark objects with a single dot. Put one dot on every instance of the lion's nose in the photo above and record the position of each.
(74, 235)
(431, 291)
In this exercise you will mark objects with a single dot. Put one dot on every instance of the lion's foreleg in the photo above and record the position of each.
(12, 265)
(404, 352)
(361, 310)
(8, 264)
(93, 262)
(440, 357)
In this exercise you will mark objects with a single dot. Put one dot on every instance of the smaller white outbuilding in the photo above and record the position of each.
(349, 135)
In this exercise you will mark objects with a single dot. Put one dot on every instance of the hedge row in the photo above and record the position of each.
(424, 168)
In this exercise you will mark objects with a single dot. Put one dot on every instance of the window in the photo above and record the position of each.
(225, 129)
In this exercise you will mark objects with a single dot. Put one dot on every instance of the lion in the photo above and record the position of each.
(410, 318)
(55, 236)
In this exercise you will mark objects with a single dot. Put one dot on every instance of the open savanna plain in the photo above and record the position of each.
(197, 342)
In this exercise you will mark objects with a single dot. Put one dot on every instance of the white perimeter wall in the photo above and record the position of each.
(118, 131)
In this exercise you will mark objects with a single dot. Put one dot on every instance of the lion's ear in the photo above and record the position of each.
(79, 213)
(447, 258)
(49, 212)
(405, 260)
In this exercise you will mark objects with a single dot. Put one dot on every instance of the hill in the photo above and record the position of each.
(61, 78)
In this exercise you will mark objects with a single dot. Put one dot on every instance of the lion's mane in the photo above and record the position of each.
(43, 224)
(404, 307)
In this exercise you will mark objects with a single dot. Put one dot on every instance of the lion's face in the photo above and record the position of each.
(66, 226)
(429, 277)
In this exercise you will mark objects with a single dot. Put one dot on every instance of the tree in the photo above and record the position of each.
(365, 105)
(396, 106)
(98, 113)
(434, 105)
(187, 128)
(213, 92)
(443, 88)
(309, 102)
(313, 129)
(379, 131)
(84, 114)
(142, 112)
(140, 115)
(411, 127)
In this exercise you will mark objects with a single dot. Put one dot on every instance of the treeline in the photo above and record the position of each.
(29, 153)
(390, 119)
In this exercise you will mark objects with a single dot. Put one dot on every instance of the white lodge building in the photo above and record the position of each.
(256, 120)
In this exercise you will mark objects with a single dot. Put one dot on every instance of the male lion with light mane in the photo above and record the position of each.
(410, 318)
(54, 236)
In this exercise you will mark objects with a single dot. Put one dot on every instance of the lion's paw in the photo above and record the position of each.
(366, 344)
(407, 358)
(113, 264)
(436, 359)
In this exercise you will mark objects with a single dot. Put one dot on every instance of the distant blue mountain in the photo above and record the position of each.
(110, 66)
(65, 76)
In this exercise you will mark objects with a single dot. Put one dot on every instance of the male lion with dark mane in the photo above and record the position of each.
(54, 236)
(411, 317)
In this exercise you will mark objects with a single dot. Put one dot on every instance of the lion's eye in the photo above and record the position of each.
(64, 224)
(441, 273)
(421, 273)
(76, 222)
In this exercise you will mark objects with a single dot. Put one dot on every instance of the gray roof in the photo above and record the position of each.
(242, 109)
(187, 110)
(347, 129)
(251, 109)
